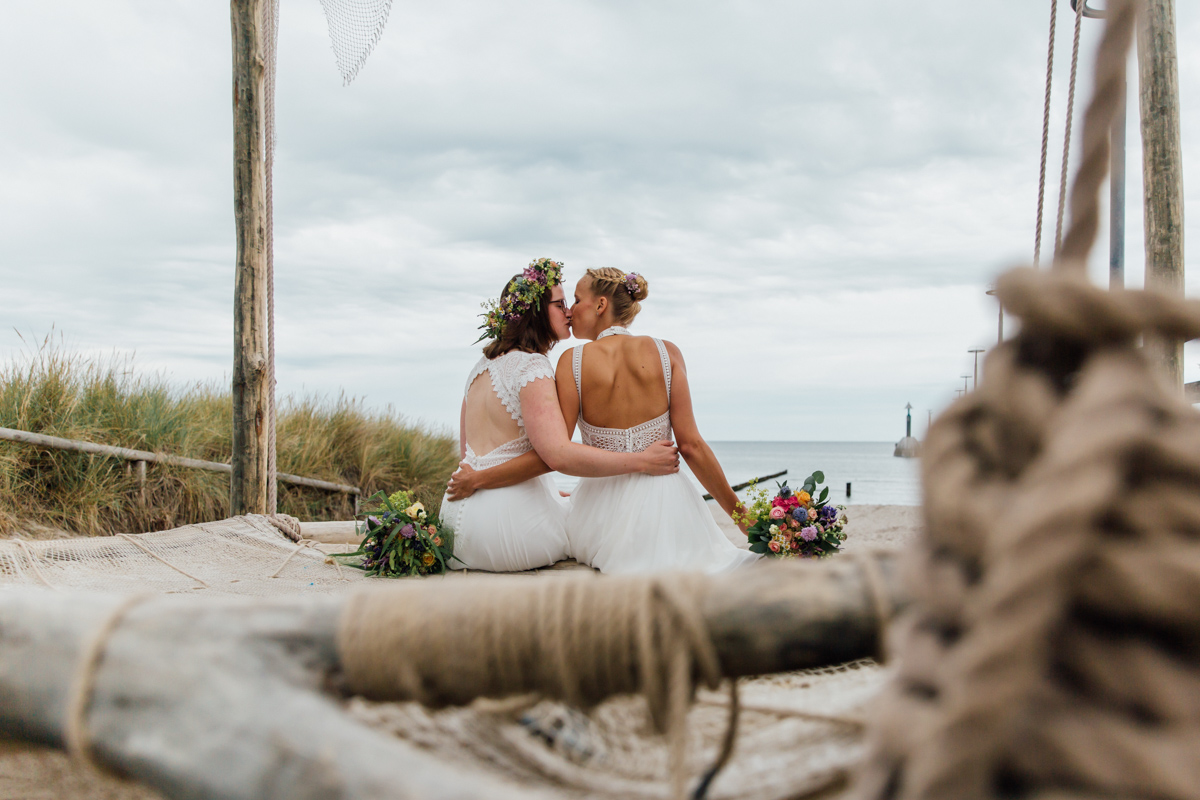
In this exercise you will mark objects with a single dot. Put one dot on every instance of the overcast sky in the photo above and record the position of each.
(818, 193)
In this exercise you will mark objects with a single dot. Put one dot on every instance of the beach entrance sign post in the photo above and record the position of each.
(354, 28)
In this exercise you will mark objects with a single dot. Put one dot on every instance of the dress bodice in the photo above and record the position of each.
(509, 374)
(623, 440)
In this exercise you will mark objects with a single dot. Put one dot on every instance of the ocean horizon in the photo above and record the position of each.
(876, 477)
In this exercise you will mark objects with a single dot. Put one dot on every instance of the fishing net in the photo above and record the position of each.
(798, 732)
(354, 28)
(239, 556)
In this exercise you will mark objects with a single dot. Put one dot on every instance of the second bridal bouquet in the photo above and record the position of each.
(400, 539)
(794, 524)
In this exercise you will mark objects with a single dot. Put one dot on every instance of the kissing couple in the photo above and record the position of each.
(633, 512)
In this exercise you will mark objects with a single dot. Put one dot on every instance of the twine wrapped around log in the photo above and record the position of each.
(1053, 645)
(579, 640)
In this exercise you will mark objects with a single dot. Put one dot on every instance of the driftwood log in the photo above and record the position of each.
(210, 697)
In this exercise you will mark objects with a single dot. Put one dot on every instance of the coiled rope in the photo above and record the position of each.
(1051, 649)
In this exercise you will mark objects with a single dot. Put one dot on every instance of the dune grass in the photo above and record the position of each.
(58, 393)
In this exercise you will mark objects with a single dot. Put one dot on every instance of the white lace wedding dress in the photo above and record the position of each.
(517, 527)
(642, 523)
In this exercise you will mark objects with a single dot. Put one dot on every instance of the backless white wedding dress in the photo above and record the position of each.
(516, 527)
(642, 523)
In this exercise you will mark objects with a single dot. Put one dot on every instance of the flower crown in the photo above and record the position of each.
(521, 295)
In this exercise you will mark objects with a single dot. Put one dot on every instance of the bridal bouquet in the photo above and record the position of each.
(400, 539)
(792, 523)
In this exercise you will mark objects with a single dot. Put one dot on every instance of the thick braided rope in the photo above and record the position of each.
(577, 640)
(1041, 201)
(1107, 94)
(1051, 650)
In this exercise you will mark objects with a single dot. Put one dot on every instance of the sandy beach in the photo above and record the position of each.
(870, 527)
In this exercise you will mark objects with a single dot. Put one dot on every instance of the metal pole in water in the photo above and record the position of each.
(847, 490)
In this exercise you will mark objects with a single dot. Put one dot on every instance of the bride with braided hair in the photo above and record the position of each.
(510, 421)
(626, 392)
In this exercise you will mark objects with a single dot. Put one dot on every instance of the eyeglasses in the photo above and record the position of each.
(562, 306)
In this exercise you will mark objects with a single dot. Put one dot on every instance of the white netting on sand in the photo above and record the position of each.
(799, 731)
(240, 556)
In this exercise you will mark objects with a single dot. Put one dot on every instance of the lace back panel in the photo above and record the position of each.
(624, 440)
(508, 374)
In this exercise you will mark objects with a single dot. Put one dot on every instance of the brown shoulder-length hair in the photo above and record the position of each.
(532, 333)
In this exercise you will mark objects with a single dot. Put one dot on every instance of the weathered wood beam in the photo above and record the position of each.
(144, 456)
(248, 488)
(209, 697)
(1162, 166)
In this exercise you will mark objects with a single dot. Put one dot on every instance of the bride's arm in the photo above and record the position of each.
(568, 397)
(548, 433)
(695, 451)
(466, 481)
(462, 431)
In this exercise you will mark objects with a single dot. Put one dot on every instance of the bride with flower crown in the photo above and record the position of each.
(510, 424)
(627, 394)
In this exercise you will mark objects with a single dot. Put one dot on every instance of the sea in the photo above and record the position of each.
(862, 473)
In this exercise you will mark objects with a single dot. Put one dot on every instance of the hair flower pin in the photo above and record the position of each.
(631, 284)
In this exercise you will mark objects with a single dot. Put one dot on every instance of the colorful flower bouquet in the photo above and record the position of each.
(400, 540)
(793, 524)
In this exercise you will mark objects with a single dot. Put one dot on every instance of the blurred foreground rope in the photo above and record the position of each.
(1053, 649)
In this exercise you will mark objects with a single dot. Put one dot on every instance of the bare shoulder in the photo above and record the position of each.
(673, 351)
(564, 361)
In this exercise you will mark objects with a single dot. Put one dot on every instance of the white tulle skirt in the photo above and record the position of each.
(508, 530)
(647, 523)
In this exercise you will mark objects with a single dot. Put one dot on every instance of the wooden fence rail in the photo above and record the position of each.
(143, 456)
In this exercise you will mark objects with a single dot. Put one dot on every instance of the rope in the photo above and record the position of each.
(1062, 185)
(83, 683)
(727, 742)
(288, 525)
(1108, 93)
(133, 540)
(270, 57)
(1041, 201)
(578, 640)
(1042, 654)
(33, 562)
(777, 711)
(286, 561)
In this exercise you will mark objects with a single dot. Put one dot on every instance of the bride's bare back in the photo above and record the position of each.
(622, 381)
(488, 424)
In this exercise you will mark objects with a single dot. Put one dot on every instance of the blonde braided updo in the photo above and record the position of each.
(624, 291)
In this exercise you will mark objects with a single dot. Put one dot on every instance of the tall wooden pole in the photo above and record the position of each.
(249, 481)
(1162, 161)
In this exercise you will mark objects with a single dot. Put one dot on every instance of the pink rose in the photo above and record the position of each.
(812, 513)
(778, 513)
(774, 546)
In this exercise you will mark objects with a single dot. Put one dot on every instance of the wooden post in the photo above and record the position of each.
(249, 481)
(141, 479)
(1162, 160)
